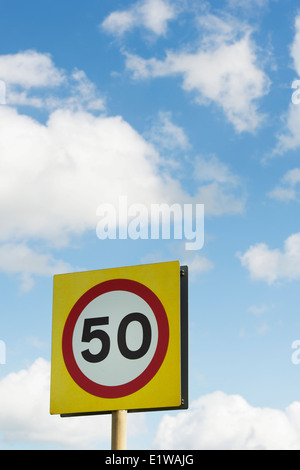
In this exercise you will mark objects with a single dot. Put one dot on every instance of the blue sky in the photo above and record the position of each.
(160, 101)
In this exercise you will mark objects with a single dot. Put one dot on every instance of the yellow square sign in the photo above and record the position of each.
(116, 340)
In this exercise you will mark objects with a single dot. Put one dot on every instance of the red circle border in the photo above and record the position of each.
(117, 391)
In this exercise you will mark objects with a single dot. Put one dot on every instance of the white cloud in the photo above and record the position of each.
(150, 14)
(79, 93)
(227, 422)
(83, 93)
(292, 177)
(212, 169)
(295, 48)
(271, 265)
(258, 309)
(223, 71)
(248, 4)
(30, 69)
(289, 188)
(197, 264)
(54, 176)
(25, 417)
(219, 188)
(218, 30)
(262, 329)
(32, 79)
(289, 139)
(156, 14)
(21, 260)
(219, 200)
(167, 135)
(119, 22)
(213, 421)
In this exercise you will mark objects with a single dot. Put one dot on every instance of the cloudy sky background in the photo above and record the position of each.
(159, 101)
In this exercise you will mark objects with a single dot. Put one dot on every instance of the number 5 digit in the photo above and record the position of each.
(88, 334)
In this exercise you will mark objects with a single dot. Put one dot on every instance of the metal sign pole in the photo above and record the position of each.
(118, 430)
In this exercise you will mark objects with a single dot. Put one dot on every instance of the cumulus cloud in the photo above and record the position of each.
(289, 187)
(258, 309)
(150, 14)
(55, 175)
(224, 71)
(227, 422)
(167, 135)
(25, 416)
(221, 189)
(271, 265)
(197, 264)
(213, 421)
(295, 47)
(289, 139)
(248, 4)
(30, 69)
(212, 169)
(32, 79)
(25, 262)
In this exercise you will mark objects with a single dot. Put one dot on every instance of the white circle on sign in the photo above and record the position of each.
(109, 310)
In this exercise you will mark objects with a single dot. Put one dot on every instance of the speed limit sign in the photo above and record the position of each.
(117, 339)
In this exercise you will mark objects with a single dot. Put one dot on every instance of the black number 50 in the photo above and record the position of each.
(88, 334)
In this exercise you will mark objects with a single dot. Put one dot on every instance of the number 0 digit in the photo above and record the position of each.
(138, 353)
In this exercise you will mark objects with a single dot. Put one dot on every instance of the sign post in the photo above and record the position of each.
(118, 430)
(120, 342)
